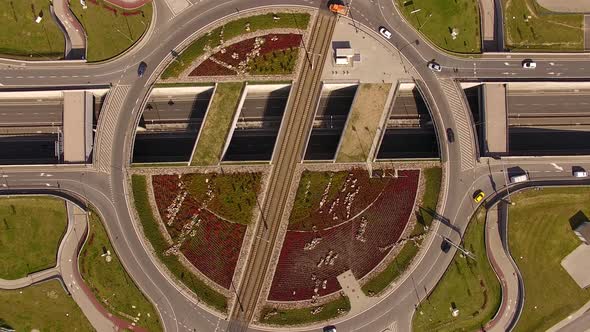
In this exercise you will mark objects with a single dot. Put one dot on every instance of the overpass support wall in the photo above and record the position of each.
(495, 119)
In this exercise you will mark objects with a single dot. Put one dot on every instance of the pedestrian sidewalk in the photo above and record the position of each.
(32, 278)
(506, 273)
(73, 31)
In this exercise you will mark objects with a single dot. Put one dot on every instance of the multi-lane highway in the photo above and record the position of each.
(31, 112)
(105, 184)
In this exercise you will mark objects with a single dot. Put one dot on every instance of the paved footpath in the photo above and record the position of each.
(74, 32)
(506, 273)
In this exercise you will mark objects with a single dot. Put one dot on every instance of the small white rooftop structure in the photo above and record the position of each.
(345, 56)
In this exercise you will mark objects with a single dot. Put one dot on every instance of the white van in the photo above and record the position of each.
(580, 174)
(519, 178)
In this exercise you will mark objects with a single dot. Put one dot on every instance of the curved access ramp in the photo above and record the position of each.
(506, 269)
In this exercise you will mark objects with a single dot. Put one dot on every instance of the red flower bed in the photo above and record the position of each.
(384, 223)
(242, 48)
(282, 42)
(364, 190)
(214, 245)
(210, 68)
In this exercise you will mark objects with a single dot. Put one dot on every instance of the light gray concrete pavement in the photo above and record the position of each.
(505, 269)
(487, 13)
(31, 279)
(75, 36)
(577, 6)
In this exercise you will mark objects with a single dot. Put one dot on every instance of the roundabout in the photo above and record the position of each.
(107, 182)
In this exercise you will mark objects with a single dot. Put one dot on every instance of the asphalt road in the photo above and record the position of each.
(259, 105)
(108, 191)
(549, 104)
(182, 108)
(29, 112)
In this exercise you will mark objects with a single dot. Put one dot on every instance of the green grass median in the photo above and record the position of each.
(42, 307)
(109, 281)
(158, 242)
(471, 286)
(31, 229)
(540, 236)
(531, 27)
(230, 30)
(110, 30)
(286, 317)
(21, 37)
(439, 20)
(217, 126)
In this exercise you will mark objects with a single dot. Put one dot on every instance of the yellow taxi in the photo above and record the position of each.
(478, 196)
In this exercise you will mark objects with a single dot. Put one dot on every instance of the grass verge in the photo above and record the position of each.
(531, 27)
(234, 197)
(230, 30)
(41, 307)
(110, 282)
(438, 19)
(287, 317)
(469, 285)
(22, 38)
(158, 242)
(218, 122)
(110, 30)
(540, 236)
(395, 269)
(30, 232)
(363, 121)
(432, 178)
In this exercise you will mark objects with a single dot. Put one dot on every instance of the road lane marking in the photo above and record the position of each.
(557, 167)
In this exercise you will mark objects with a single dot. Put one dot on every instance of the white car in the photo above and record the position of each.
(579, 172)
(434, 66)
(384, 32)
(529, 64)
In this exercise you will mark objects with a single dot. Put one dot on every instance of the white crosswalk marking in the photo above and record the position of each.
(106, 127)
(462, 120)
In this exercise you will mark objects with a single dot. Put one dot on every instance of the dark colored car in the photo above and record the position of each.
(445, 246)
(450, 135)
(141, 69)
(330, 328)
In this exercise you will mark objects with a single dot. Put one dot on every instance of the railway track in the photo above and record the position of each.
(289, 152)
